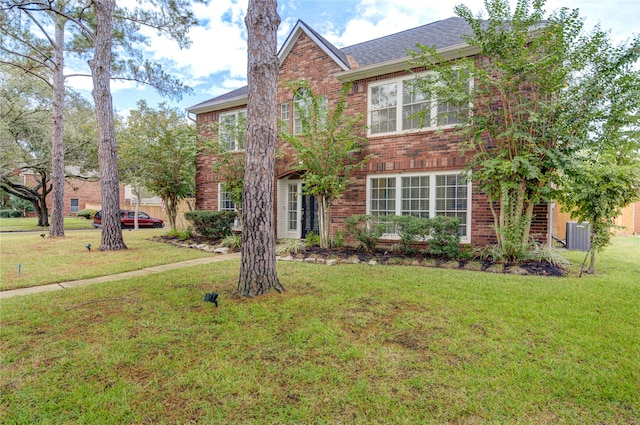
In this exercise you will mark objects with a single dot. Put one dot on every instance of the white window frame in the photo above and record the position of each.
(430, 124)
(432, 196)
(297, 119)
(221, 200)
(221, 118)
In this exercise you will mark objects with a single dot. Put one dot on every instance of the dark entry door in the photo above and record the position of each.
(309, 215)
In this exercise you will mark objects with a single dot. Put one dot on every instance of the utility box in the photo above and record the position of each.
(578, 236)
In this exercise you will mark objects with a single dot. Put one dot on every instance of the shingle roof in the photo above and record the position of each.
(441, 34)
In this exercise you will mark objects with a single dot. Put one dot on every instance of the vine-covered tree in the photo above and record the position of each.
(258, 266)
(516, 106)
(326, 149)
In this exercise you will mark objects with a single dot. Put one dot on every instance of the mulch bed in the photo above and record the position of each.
(382, 257)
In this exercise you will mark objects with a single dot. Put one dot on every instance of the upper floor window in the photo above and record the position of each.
(232, 130)
(393, 104)
(304, 113)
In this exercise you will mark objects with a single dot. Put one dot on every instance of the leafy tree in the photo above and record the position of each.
(258, 265)
(41, 57)
(109, 37)
(24, 140)
(159, 153)
(519, 116)
(604, 176)
(326, 149)
(25, 134)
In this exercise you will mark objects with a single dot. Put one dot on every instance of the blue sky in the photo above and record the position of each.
(216, 61)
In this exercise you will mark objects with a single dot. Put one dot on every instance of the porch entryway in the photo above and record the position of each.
(297, 213)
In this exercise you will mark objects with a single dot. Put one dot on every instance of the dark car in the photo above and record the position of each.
(127, 218)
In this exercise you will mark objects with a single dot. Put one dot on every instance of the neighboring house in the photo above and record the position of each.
(412, 170)
(78, 193)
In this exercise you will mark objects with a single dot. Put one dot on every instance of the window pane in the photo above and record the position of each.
(451, 199)
(415, 196)
(384, 101)
(412, 103)
(231, 130)
(383, 196)
(226, 204)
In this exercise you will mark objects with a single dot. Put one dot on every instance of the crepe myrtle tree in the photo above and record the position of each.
(326, 149)
(604, 176)
(516, 105)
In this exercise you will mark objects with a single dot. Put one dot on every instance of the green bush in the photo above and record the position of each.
(338, 240)
(366, 229)
(232, 241)
(211, 224)
(87, 213)
(9, 213)
(312, 239)
(444, 237)
(411, 230)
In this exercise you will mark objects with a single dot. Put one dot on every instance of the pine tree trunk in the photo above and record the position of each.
(57, 148)
(258, 267)
(107, 155)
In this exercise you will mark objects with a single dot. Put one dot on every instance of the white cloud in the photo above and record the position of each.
(218, 46)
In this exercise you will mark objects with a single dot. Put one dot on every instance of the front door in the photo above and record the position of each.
(297, 212)
(309, 215)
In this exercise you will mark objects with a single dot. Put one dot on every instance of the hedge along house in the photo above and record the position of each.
(413, 169)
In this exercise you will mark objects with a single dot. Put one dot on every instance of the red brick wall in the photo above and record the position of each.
(421, 151)
(86, 192)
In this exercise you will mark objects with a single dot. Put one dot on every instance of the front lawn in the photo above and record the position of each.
(30, 224)
(50, 260)
(352, 344)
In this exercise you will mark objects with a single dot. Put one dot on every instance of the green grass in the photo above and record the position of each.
(51, 260)
(31, 224)
(352, 344)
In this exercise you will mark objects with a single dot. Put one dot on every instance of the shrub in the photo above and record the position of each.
(9, 213)
(87, 214)
(291, 246)
(444, 236)
(411, 229)
(312, 239)
(338, 240)
(232, 241)
(366, 229)
(182, 235)
(211, 224)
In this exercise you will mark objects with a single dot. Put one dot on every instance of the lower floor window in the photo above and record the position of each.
(422, 195)
(75, 205)
(224, 200)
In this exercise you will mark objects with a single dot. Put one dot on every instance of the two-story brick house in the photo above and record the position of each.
(413, 170)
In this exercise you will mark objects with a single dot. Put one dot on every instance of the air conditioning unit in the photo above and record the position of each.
(578, 236)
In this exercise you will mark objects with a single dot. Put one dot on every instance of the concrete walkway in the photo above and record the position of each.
(119, 276)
